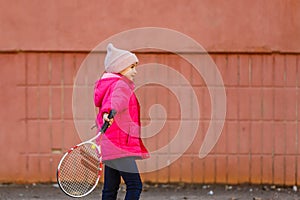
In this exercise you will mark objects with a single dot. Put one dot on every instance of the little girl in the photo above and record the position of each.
(121, 145)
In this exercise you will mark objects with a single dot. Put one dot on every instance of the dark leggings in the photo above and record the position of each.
(127, 169)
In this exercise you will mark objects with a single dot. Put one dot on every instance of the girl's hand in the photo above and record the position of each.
(105, 118)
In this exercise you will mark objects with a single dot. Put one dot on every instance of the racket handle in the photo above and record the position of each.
(111, 115)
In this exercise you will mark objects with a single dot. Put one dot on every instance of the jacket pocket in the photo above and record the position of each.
(133, 141)
(134, 130)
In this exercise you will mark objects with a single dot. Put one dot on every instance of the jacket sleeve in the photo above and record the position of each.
(122, 102)
(120, 96)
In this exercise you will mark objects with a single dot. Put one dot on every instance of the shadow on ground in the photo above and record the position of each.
(159, 192)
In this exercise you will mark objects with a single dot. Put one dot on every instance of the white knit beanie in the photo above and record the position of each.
(117, 60)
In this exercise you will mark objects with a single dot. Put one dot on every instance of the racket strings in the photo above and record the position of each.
(80, 170)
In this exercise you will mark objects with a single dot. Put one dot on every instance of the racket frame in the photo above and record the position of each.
(100, 167)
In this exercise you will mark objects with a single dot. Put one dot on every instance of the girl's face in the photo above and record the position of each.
(130, 72)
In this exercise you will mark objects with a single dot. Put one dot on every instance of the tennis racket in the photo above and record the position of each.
(80, 169)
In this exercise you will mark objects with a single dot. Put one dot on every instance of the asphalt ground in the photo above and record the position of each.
(158, 192)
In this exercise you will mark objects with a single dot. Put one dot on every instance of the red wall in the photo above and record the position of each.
(255, 45)
(231, 25)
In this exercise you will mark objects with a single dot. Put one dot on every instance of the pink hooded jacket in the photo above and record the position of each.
(122, 138)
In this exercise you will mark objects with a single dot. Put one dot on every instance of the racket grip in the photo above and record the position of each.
(111, 115)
